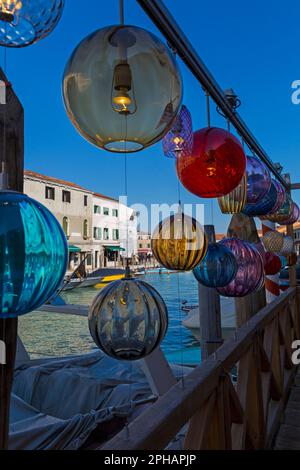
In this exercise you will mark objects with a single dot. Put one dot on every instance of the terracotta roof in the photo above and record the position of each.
(33, 174)
(105, 197)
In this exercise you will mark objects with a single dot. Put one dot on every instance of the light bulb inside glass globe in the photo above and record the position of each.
(9, 10)
(122, 88)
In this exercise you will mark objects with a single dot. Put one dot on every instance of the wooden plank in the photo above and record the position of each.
(209, 311)
(12, 160)
(199, 425)
(288, 438)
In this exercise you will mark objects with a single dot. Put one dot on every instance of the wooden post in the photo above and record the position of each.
(12, 159)
(290, 233)
(244, 228)
(209, 311)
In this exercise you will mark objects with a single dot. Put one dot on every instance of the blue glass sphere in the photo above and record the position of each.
(264, 205)
(218, 268)
(34, 254)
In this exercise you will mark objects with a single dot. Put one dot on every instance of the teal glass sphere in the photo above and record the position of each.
(33, 254)
(218, 268)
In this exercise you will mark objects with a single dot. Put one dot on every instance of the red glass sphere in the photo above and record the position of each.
(216, 165)
(272, 263)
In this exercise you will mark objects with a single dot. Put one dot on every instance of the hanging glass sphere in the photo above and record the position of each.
(280, 197)
(265, 205)
(293, 217)
(24, 22)
(216, 165)
(34, 254)
(179, 242)
(250, 272)
(128, 319)
(272, 263)
(218, 268)
(234, 202)
(179, 140)
(273, 241)
(287, 246)
(284, 212)
(261, 250)
(258, 179)
(122, 88)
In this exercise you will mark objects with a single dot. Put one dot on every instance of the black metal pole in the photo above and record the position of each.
(166, 23)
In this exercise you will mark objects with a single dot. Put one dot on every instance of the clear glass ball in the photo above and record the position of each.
(34, 254)
(128, 319)
(24, 22)
(122, 88)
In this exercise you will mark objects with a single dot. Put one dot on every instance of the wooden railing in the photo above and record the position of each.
(223, 412)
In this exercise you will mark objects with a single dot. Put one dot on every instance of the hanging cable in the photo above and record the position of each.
(207, 108)
(121, 12)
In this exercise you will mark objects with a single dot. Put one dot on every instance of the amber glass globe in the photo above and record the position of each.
(122, 88)
(235, 201)
(179, 242)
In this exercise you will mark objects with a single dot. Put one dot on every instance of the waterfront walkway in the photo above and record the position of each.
(288, 437)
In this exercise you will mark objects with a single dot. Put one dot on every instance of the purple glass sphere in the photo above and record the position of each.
(265, 204)
(250, 273)
(258, 180)
(179, 140)
(293, 217)
(280, 196)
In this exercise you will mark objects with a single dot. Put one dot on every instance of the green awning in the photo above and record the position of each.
(74, 249)
(114, 248)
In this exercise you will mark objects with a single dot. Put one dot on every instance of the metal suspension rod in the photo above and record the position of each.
(167, 25)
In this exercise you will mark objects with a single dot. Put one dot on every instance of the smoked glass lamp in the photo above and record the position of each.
(179, 242)
(122, 88)
(250, 270)
(287, 246)
(218, 268)
(34, 254)
(235, 201)
(216, 165)
(293, 217)
(179, 140)
(258, 179)
(128, 319)
(24, 22)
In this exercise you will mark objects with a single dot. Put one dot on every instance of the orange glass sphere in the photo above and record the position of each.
(216, 165)
(179, 242)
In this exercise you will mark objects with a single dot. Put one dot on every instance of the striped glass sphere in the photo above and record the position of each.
(179, 242)
(24, 22)
(250, 270)
(272, 263)
(273, 241)
(215, 166)
(34, 254)
(287, 246)
(284, 212)
(179, 140)
(218, 268)
(234, 202)
(264, 205)
(293, 217)
(128, 319)
(258, 179)
(280, 196)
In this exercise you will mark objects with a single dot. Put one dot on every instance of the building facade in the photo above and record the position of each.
(93, 223)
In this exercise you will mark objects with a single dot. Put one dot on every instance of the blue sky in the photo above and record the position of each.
(249, 46)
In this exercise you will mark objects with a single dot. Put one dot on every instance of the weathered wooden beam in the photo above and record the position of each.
(12, 156)
(209, 311)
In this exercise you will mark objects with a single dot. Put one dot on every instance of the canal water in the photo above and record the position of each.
(52, 334)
